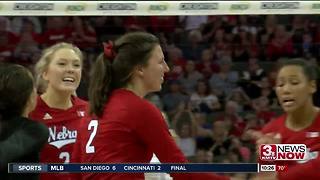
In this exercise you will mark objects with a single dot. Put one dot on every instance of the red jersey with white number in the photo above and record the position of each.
(63, 129)
(130, 131)
(309, 136)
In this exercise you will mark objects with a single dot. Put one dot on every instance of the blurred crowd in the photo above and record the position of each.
(222, 68)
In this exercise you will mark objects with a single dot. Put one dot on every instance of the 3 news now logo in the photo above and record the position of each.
(283, 152)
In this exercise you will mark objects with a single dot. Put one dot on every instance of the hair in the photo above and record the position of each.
(309, 70)
(131, 49)
(45, 59)
(16, 86)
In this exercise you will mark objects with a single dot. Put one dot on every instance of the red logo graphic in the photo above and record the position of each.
(268, 152)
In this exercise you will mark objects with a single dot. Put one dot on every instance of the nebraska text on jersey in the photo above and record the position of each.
(61, 138)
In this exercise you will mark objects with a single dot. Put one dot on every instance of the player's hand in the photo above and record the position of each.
(269, 138)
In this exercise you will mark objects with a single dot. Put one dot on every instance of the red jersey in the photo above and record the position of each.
(130, 131)
(309, 136)
(63, 129)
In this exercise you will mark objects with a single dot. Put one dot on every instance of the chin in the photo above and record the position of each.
(159, 88)
(289, 109)
(69, 89)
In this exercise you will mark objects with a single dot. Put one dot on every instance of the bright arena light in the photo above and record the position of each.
(127, 8)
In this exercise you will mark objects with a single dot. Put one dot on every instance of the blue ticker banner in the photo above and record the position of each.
(131, 168)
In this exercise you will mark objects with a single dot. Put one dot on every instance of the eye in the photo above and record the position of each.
(61, 63)
(295, 82)
(77, 65)
(279, 84)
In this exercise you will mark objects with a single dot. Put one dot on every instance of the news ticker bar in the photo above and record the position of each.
(134, 168)
(145, 8)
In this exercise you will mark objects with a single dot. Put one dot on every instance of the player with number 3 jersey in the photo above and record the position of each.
(59, 74)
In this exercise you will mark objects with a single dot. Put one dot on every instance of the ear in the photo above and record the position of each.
(313, 86)
(44, 75)
(139, 70)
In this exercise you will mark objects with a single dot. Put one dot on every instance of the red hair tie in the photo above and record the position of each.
(108, 51)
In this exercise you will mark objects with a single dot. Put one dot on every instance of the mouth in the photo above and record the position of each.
(288, 102)
(69, 79)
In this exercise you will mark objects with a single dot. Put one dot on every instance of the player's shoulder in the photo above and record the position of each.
(274, 124)
(79, 102)
(122, 96)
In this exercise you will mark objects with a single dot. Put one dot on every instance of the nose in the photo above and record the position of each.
(286, 88)
(70, 68)
(166, 67)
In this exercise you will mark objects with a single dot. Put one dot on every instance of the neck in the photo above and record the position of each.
(56, 99)
(302, 118)
(136, 89)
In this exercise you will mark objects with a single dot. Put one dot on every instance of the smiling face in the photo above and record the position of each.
(64, 71)
(293, 88)
(153, 73)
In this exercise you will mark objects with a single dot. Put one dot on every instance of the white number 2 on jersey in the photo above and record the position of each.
(92, 125)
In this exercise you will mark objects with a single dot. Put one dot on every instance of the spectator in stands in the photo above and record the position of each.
(191, 23)
(28, 27)
(107, 27)
(193, 47)
(280, 44)
(266, 90)
(226, 79)
(186, 128)
(220, 141)
(253, 122)
(203, 156)
(57, 30)
(203, 99)
(262, 108)
(270, 24)
(241, 47)
(232, 118)
(176, 63)
(27, 51)
(251, 78)
(17, 24)
(8, 40)
(239, 96)
(190, 77)
(174, 97)
(154, 98)
(220, 43)
(204, 127)
(83, 34)
(136, 23)
(163, 24)
(207, 65)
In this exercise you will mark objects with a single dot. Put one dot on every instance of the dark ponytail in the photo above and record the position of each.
(100, 85)
(113, 68)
